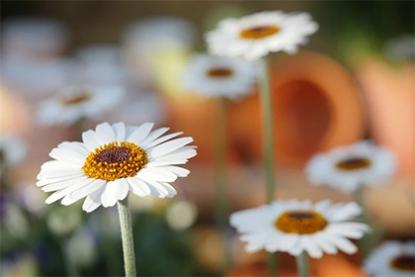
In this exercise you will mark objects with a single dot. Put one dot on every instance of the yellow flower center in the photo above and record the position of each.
(354, 163)
(76, 99)
(220, 72)
(115, 160)
(300, 222)
(259, 32)
(404, 262)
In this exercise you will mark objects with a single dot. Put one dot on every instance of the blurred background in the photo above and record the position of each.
(354, 80)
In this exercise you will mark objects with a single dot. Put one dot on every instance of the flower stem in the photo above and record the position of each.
(220, 175)
(268, 131)
(127, 238)
(268, 146)
(302, 264)
(367, 242)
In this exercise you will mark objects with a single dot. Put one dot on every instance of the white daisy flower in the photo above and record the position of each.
(392, 259)
(74, 103)
(346, 168)
(295, 226)
(113, 160)
(254, 36)
(213, 76)
(12, 150)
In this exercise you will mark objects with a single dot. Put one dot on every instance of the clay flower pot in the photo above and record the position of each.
(316, 107)
(390, 95)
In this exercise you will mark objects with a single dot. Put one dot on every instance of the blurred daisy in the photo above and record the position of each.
(392, 259)
(254, 36)
(220, 76)
(12, 150)
(347, 168)
(74, 103)
(113, 160)
(295, 226)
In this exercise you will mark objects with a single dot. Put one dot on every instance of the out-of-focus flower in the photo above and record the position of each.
(295, 226)
(35, 79)
(181, 215)
(24, 265)
(401, 48)
(74, 103)
(12, 150)
(346, 168)
(392, 259)
(149, 104)
(33, 38)
(31, 198)
(100, 65)
(80, 248)
(63, 221)
(213, 76)
(148, 41)
(256, 35)
(113, 160)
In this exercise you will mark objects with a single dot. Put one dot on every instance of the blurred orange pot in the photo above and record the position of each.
(316, 106)
(390, 94)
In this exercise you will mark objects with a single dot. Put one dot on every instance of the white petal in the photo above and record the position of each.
(76, 147)
(140, 133)
(90, 140)
(152, 136)
(93, 200)
(139, 187)
(62, 193)
(88, 189)
(119, 129)
(179, 171)
(113, 192)
(163, 139)
(156, 174)
(104, 133)
(311, 247)
(63, 184)
(66, 155)
(169, 147)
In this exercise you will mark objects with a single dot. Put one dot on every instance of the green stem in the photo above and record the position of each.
(220, 175)
(302, 264)
(127, 238)
(268, 131)
(268, 146)
(366, 243)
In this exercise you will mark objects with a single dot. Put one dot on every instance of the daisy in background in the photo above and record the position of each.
(348, 168)
(254, 36)
(392, 259)
(75, 103)
(112, 161)
(300, 228)
(220, 77)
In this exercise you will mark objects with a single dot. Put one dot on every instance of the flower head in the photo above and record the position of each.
(295, 226)
(347, 168)
(392, 259)
(256, 35)
(113, 160)
(74, 103)
(213, 76)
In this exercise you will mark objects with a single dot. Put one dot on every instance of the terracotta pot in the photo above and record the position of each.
(316, 107)
(390, 95)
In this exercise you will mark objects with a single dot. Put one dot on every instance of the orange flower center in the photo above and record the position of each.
(355, 163)
(405, 262)
(259, 32)
(76, 99)
(300, 222)
(220, 72)
(115, 160)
